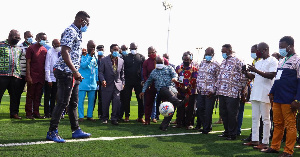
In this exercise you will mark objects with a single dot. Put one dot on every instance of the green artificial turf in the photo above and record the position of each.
(22, 131)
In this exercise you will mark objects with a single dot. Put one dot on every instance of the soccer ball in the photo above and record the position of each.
(166, 109)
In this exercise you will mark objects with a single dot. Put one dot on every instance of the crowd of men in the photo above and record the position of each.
(66, 73)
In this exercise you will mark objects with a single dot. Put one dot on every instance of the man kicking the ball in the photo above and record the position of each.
(164, 77)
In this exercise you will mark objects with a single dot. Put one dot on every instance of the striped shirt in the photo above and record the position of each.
(24, 47)
(230, 79)
(207, 77)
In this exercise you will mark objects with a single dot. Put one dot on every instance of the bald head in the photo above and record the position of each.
(91, 46)
(263, 49)
(159, 60)
(55, 43)
(13, 37)
(133, 46)
(124, 48)
(166, 56)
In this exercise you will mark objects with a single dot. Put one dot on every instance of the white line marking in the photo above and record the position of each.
(105, 138)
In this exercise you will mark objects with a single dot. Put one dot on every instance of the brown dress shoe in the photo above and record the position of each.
(90, 119)
(126, 119)
(141, 120)
(80, 120)
(261, 146)
(269, 150)
(154, 120)
(15, 116)
(147, 122)
(251, 143)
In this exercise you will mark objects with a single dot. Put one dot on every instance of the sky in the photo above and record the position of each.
(193, 23)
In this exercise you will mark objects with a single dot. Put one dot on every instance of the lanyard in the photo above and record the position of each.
(286, 60)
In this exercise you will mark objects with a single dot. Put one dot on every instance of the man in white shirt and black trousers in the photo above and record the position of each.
(50, 85)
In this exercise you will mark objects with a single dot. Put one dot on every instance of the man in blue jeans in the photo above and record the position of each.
(68, 77)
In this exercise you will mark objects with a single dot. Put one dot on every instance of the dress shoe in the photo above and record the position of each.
(205, 132)
(38, 116)
(154, 120)
(126, 119)
(15, 116)
(174, 122)
(298, 146)
(30, 117)
(251, 143)
(190, 127)
(114, 122)
(177, 126)
(104, 122)
(80, 120)
(163, 128)
(269, 150)
(247, 139)
(141, 120)
(90, 119)
(147, 122)
(261, 146)
(284, 154)
(230, 138)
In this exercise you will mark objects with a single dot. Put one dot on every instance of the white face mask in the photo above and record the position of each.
(160, 66)
(133, 52)
(58, 49)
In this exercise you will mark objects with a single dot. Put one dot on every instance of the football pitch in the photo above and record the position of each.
(27, 137)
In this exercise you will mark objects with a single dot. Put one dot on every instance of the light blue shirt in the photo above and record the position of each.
(89, 71)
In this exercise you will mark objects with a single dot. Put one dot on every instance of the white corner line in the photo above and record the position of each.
(104, 138)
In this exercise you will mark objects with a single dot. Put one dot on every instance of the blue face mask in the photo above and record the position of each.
(84, 28)
(283, 52)
(100, 53)
(29, 40)
(224, 55)
(208, 58)
(115, 54)
(253, 55)
(124, 53)
(42, 42)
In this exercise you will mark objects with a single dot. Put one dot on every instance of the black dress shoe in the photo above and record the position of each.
(114, 122)
(247, 139)
(38, 116)
(204, 132)
(163, 128)
(231, 138)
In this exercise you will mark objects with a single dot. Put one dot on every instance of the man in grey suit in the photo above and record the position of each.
(111, 75)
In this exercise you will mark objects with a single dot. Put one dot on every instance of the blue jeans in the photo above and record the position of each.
(153, 114)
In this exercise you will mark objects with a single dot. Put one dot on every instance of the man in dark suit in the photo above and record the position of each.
(111, 74)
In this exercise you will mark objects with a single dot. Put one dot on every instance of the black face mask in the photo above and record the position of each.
(186, 64)
(14, 41)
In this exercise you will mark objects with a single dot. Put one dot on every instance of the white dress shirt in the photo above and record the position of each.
(261, 85)
(51, 59)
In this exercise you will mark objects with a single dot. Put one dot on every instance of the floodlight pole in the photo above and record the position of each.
(168, 6)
